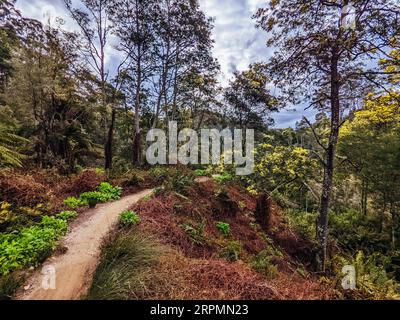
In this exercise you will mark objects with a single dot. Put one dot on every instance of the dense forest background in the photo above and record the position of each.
(65, 107)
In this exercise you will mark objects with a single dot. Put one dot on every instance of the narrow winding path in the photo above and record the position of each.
(75, 268)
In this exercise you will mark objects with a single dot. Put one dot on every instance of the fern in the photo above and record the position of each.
(9, 142)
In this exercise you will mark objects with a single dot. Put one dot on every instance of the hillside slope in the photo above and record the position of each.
(196, 260)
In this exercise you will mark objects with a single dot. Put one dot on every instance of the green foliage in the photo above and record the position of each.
(263, 264)
(67, 215)
(200, 172)
(159, 174)
(224, 228)
(354, 232)
(224, 178)
(113, 193)
(302, 222)
(92, 198)
(179, 182)
(195, 233)
(129, 218)
(104, 192)
(31, 245)
(9, 153)
(74, 203)
(281, 168)
(232, 250)
(372, 280)
(6, 214)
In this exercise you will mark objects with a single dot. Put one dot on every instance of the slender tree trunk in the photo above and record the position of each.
(136, 148)
(109, 143)
(175, 93)
(322, 222)
(364, 198)
(262, 212)
(394, 225)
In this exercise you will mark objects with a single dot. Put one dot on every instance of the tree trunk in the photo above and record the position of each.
(322, 222)
(394, 226)
(262, 211)
(108, 152)
(136, 148)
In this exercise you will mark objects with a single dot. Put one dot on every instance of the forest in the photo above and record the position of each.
(80, 204)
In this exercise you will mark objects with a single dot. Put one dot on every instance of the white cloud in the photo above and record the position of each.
(237, 41)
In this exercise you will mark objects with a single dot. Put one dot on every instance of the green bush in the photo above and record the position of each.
(195, 233)
(66, 215)
(179, 182)
(172, 178)
(224, 228)
(200, 172)
(31, 245)
(372, 280)
(105, 192)
(263, 264)
(159, 174)
(92, 198)
(113, 193)
(224, 178)
(302, 222)
(129, 218)
(232, 250)
(74, 203)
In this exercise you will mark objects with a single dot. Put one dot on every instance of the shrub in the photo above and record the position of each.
(92, 198)
(223, 178)
(104, 193)
(263, 264)
(74, 203)
(224, 228)
(66, 215)
(113, 193)
(372, 280)
(302, 222)
(31, 245)
(195, 233)
(159, 174)
(133, 178)
(232, 250)
(172, 178)
(129, 218)
(200, 172)
(6, 214)
(179, 181)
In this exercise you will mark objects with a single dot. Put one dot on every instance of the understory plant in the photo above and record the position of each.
(104, 192)
(224, 228)
(31, 245)
(129, 218)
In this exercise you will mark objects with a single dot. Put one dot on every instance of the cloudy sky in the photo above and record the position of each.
(237, 42)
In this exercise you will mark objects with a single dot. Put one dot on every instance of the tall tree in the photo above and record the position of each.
(134, 28)
(93, 19)
(325, 60)
(249, 98)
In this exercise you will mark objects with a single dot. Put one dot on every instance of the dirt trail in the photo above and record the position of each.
(74, 269)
